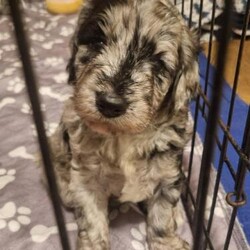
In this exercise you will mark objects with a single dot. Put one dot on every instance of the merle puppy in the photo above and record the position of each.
(133, 69)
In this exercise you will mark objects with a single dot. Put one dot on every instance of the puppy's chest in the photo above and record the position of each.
(122, 154)
(126, 173)
(125, 166)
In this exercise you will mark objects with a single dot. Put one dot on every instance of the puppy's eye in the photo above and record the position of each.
(91, 35)
(93, 43)
(91, 49)
(96, 45)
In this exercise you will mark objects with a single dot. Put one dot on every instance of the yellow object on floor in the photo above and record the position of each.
(63, 6)
(243, 89)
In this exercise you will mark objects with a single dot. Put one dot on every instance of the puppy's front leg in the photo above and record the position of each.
(92, 220)
(161, 225)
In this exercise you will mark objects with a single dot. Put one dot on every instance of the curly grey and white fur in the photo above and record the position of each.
(133, 70)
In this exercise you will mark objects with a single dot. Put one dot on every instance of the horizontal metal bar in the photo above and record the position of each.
(230, 168)
(241, 175)
(225, 158)
(228, 134)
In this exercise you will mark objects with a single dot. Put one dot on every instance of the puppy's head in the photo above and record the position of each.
(131, 59)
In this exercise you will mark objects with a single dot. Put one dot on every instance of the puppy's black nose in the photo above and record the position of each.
(110, 105)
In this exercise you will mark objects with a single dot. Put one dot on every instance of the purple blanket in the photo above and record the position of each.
(26, 214)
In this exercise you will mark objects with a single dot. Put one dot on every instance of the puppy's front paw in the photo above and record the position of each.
(168, 243)
(84, 243)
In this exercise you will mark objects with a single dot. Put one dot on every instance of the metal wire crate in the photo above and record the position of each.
(205, 106)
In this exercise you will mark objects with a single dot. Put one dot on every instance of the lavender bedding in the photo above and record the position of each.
(26, 214)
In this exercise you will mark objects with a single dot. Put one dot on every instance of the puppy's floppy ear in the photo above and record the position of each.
(187, 85)
(84, 14)
(86, 28)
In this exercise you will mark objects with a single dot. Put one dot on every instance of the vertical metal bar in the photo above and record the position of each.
(209, 53)
(246, 151)
(230, 228)
(230, 113)
(190, 164)
(200, 15)
(190, 14)
(210, 131)
(241, 174)
(37, 115)
(182, 7)
(196, 111)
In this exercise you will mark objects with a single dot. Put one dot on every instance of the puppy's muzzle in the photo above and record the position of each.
(110, 105)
